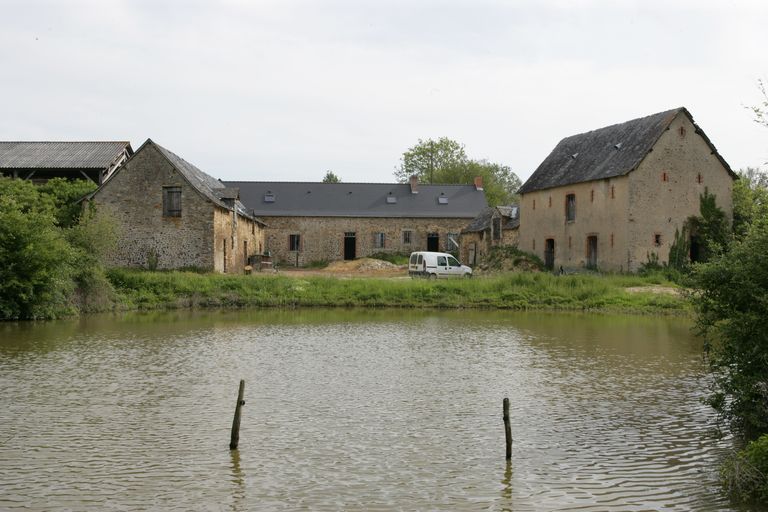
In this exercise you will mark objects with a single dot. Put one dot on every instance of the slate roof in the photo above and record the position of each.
(483, 221)
(606, 152)
(310, 199)
(61, 155)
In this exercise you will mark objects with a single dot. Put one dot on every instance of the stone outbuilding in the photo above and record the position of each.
(42, 161)
(170, 214)
(614, 197)
(308, 222)
(495, 226)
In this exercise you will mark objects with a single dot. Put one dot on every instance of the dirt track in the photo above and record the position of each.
(363, 267)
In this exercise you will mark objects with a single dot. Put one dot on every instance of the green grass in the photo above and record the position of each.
(138, 289)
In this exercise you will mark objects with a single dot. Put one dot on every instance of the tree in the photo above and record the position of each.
(732, 305)
(761, 110)
(330, 177)
(710, 227)
(428, 158)
(750, 199)
(445, 161)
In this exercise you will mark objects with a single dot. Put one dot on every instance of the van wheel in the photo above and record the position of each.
(467, 276)
(432, 277)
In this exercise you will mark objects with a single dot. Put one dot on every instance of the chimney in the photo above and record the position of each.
(478, 183)
(414, 180)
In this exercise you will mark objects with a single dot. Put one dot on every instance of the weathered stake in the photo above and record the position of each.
(235, 439)
(507, 429)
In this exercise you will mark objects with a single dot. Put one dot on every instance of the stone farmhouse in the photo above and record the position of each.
(612, 197)
(42, 161)
(495, 226)
(170, 214)
(309, 222)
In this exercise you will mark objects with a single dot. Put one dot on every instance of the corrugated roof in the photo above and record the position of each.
(61, 155)
(606, 152)
(295, 199)
(483, 220)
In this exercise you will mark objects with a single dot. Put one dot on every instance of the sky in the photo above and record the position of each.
(286, 90)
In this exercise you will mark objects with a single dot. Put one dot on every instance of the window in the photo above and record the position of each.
(699, 179)
(269, 197)
(224, 252)
(591, 196)
(569, 242)
(550, 201)
(534, 204)
(441, 261)
(611, 239)
(613, 192)
(657, 239)
(378, 240)
(407, 237)
(453, 262)
(451, 242)
(570, 207)
(534, 244)
(171, 201)
(391, 199)
(664, 177)
(245, 252)
(294, 242)
(442, 199)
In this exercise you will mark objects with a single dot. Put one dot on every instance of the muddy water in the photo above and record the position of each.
(355, 411)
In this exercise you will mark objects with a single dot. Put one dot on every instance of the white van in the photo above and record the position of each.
(436, 264)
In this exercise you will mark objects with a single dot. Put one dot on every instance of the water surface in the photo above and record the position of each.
(355, 411)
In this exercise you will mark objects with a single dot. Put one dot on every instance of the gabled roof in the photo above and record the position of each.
(483, 221)
(302, 199)
(211, 188)
(607, 152)
(61, 155)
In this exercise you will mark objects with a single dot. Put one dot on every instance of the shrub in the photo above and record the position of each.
(745, 475)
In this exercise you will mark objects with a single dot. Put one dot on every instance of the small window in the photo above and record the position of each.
(407, 237)
(699, 179)
(569, 242)
(534, 204)
(294, 242)
(664, 177)
(442, 261)
(441, 199)
(534, 244)
(570, 207)
(269, 197)
(171, 201)
(611, 239)
(591, 196)
(453, 262)
(550, 201)
(391, 199)
(657, 239)
(378, 240)
(613, 192)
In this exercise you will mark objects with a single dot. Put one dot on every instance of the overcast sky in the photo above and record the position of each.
(285, 90)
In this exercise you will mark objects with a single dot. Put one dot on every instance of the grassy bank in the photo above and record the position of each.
(539, 291)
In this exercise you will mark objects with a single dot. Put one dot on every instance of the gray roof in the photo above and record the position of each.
(295, 199)
(606, 152)
(61, 155)
(483, 221)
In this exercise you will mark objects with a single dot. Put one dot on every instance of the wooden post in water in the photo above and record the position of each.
(235, 439)
(507, 429)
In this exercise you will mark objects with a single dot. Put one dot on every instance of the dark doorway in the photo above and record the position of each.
(695, 249)
(349, 245)
(592, 252)
(549, 253)
(433, 242)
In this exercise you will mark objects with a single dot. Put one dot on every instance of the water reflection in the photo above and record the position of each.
(368, 410)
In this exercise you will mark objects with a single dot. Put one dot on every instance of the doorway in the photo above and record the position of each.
(549, 253)
(592, 252)
(433, 242)
(350, 245)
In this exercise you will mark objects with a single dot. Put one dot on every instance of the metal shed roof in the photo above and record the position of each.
(61, 155)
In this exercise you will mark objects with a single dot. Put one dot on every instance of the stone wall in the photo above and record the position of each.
(665, 190)
(242, 237)
(322, 238)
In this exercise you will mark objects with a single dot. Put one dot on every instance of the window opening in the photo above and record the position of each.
(171, 201)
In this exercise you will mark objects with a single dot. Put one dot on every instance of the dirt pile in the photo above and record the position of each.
(363, 265)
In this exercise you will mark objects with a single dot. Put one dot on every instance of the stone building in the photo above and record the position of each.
(495, 226)
(42, 161)
(309, 222)
(170, 214)
(613, 197)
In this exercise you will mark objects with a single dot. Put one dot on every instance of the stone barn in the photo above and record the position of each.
(308, 222)
(495, 226)
(614, 197)
(170, 215)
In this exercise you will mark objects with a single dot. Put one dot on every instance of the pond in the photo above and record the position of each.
(356, 410)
